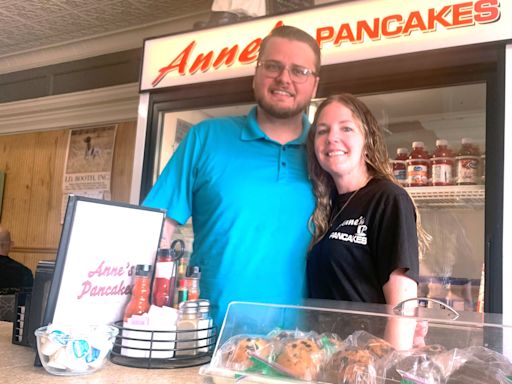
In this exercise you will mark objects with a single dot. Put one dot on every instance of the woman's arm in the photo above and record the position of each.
(399, 287)
(400, 332)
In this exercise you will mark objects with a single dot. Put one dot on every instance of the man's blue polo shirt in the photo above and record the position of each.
(250, 201)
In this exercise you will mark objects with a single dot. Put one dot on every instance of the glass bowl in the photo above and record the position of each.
(74, 350)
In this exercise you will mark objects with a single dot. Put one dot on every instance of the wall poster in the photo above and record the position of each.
(88, 166)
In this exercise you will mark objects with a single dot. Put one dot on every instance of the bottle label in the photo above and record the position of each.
(164, 269)
(182, 295)
(193, 294)
(467, 169)
(417, 175)
(441, 174)
(400, 175)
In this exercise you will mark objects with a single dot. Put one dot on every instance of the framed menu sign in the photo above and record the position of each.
(100, 245)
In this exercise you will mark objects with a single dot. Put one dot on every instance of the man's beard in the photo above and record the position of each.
(279, 113)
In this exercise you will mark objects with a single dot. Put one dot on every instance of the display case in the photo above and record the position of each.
(344, 342)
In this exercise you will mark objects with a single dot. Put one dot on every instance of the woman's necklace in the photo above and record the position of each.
(343, 207)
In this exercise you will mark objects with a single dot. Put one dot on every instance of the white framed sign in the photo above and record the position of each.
(100, 245)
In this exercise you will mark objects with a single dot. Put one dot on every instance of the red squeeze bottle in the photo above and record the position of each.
(442, 164)
(139, 302)
(417, 165)
(163, 285)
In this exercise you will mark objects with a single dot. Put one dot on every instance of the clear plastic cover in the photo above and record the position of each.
(339, 342)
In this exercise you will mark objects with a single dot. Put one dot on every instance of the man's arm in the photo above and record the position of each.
(170, 226)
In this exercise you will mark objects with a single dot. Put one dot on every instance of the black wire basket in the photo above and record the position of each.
(144, 348)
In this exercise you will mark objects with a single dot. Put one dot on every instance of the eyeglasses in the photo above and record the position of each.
(272, 69)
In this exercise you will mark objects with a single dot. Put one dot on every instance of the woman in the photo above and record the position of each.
(365, 225)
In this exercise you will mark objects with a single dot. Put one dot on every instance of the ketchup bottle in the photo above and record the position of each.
(442, 164)
(139, 302)
(399, 167)
(467, 160)
(163, 284)
(417, 165)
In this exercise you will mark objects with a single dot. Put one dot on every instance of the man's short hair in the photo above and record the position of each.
(295, 34)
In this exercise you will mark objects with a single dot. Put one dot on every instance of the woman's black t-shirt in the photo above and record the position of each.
(372, 236)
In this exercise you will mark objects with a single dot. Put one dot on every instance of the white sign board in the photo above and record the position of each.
(345, 32)
(101, 243)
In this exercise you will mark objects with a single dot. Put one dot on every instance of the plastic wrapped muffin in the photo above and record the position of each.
(350, 365)
(236, 353)
(300, 357)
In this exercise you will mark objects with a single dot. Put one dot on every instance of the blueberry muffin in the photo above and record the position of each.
(237, 355)
(353, 364)
(379, 348)
(300, 357)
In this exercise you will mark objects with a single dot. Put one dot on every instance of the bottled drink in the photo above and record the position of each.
(442, 164)
(192, 281)
(181, 273)
(192, 284)
(467, 160)
(399, 167)
(182, 291)
(139, 302)
(163, 285)
(417, 165)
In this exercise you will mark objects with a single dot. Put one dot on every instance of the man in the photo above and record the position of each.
(243, 179)
(13, 275)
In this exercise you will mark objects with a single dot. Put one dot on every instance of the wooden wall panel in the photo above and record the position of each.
(44, 207)
(17, 162)
(34, 166)
(122, 163)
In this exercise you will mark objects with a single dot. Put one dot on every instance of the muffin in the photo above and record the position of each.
(238, 352)
(379, 348)
(300, 357)
(353, 364)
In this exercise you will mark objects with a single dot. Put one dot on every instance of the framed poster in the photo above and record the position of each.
(100, 245)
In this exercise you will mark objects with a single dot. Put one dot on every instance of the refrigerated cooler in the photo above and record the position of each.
(426, 71)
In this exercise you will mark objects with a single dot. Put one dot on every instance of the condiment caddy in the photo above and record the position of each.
(165, 323)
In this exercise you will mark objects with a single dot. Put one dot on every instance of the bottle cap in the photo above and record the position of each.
(466, 140)
(190, 306)
(441, 142)
(193, 271)
(417, 144)
(143, 269)
(164, 252)
(204, 305)
(402, 151)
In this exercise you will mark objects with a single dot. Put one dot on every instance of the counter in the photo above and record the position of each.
(17, 366)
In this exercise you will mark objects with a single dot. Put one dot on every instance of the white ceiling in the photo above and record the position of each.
(27, 25)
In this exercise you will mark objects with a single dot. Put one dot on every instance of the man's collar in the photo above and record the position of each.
(254, 132)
